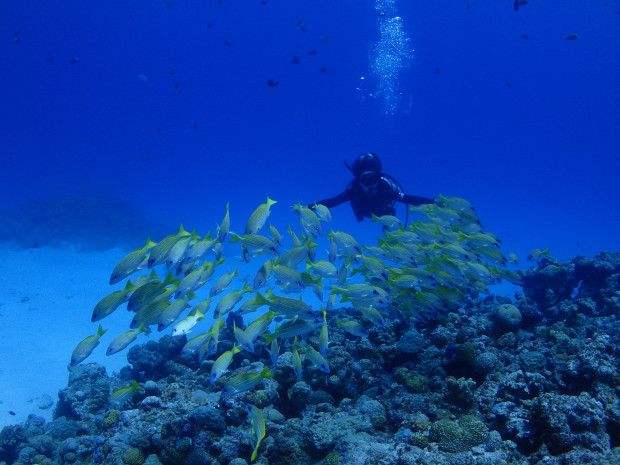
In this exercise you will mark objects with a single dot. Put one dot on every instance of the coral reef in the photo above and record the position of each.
(417, 361)
(541, 392)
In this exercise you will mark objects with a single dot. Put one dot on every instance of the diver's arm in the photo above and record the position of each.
(333, 201)
(413, 199)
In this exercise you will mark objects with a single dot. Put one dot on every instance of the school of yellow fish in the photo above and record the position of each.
(416, 272)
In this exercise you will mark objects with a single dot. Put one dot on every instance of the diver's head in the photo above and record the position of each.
(365, 163)
(367, 170)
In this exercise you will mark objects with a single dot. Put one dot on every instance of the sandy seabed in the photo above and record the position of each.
(46, 299)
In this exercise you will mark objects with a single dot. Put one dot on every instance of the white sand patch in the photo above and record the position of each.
(47, 296)
(46, 299)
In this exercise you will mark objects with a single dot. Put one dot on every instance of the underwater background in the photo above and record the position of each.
(122, 121)
(166, 107)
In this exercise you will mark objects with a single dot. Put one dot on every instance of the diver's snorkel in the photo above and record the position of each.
(349, 166)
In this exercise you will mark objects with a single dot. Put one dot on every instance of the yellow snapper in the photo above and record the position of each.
(262, 275)
(257, 420)
(275, 235)
(223, 282)
(132, 262)
(122, 395)
(222, 363)
(111, 302)
(124, 339)
(255, 329)
(162, 248)
(292, 329)
(309, 220)
(86, 347)
(389, 221)
(317, 359)
(200, 248)
(256, 244)
(186, 324)
(173, 311)
(224, 227)
(297, 366)
(324, 336)
(259, 217)
(244, 382)
(228, 301)
(322, 212)
(353, 328)
(536, 254)
(513, 259)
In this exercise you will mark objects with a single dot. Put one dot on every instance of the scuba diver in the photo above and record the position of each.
(371, 191)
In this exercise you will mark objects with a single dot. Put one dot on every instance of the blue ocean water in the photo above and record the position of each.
(166, 105)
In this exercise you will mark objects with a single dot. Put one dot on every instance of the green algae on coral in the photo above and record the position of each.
(458, 437)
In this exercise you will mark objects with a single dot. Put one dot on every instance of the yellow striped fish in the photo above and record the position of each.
(259, 217)
(86, 347)
(244, 382)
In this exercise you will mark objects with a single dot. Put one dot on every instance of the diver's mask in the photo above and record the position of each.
(369, 180)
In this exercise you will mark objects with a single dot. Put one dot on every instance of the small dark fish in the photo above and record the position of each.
(15, 40)
(158, 129)
(171, 73)
(312, 52)
(11, 412)
(437, 70)
(74, 60)
(325, 38)
(572, 36)
(209, 24)
(322, 70)
(468, 6)
(194, 126)
(17, 31)
(50, 59)
(167, 5)
(303, 29)
(263, 2)
(518, 3)
(525, 36)
(299, 21)
(273, 82)
(176, 85)
(225, 42)
(509, 85)
(295, 59)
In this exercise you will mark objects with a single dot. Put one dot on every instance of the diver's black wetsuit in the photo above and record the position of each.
(379, 200)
